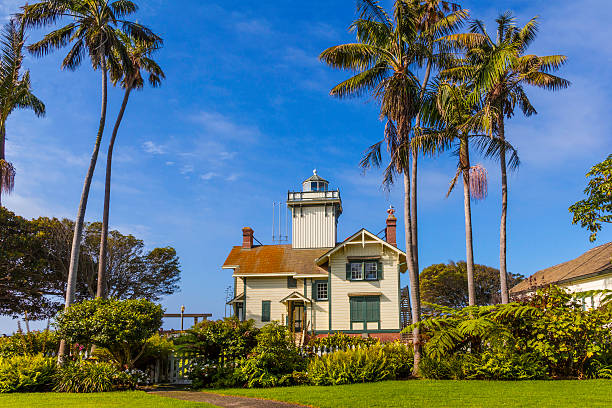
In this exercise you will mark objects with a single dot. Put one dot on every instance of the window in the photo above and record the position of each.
(265, 310)
(371, 269)
(365, 309)
(364, 270)
(314, 186)
(291, 282)
(356, 271)
(320, 290)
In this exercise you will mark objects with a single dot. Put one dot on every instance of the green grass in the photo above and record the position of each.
(430, 394)
(131, 399)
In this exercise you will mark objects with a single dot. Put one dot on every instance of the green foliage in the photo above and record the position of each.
(341, 341)
(449, 368)
(549, 329)
(212, 341)
(31, 343)
(366, 364)
(596, 209)
(27, 373)
(504, 364)
(273, 360)
(446, 284)
(120, 326)
(85, 376)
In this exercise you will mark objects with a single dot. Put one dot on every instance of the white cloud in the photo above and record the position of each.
(208, 176)
(217, 126)
(170, 163)
(153, 148)
(232, 177)
(187, 168)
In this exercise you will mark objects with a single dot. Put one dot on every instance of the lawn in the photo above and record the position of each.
(430, 394)
(131, 399)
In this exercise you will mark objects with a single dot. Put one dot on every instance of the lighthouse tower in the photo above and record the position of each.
(315, 211)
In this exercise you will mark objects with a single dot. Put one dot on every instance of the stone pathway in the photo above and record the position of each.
(225, 401)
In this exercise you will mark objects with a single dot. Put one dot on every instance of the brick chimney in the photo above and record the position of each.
(391, 227)
(247, 237)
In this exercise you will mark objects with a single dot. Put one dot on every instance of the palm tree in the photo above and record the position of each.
(499, 70)
(130, 76)
(15, 93)
(435, 19)
(381, 60)
(92, 32)
(455, 122)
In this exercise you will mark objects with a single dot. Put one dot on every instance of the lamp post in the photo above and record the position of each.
(182, 312)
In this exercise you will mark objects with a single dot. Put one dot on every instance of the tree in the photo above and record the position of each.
(454, 122)
(597, 207)
(446, 284)
(92, 31)
(35, 259)
(381, 60)
(131, 78)
(15, 93)
(435, 19)
(120, 326)
(498, 71)
(23, 278)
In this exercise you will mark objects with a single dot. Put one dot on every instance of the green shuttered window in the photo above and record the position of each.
(265, 310)
(364, 270)
(320, 290)
(291, 282)
(365, 309)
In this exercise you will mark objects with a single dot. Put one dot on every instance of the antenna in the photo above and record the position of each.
(279, 208)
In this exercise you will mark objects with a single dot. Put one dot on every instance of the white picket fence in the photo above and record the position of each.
(173, 370)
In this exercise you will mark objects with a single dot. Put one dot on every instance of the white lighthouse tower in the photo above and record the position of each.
(315, 211)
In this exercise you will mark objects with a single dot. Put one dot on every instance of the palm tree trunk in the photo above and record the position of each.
(469, 248)
(413, 183)
(80, 220)
(2, 156)
(502, 229)
(101, 289)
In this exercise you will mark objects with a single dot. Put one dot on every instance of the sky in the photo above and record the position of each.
(245, 115)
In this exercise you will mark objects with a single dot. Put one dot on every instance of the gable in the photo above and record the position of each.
(363, 239)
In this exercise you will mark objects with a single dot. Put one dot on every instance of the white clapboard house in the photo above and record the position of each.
(317, 285)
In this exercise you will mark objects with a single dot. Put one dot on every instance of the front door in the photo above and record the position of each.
(297, 312)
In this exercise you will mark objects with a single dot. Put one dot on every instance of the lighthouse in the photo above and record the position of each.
(314, 214)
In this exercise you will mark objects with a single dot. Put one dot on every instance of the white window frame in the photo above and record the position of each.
(366, 272)
(356, 271)
(320, 287)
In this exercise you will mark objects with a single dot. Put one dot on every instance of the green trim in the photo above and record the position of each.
(399, 296)
(357, 331)
(244, 301)
(329, 297)
(265, 310)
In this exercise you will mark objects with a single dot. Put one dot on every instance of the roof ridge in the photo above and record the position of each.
(593, 255)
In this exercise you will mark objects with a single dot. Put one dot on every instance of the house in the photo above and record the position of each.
(317, 285)
(590, 271)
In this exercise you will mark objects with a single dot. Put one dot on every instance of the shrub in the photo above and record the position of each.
(31, 343)
(84, 376)
(449, 368)
(504, 365)
(26, 373)
(273, 360)
(548, 329)
(366, 364)
(341, 341)
(203, 375)
(213, 341)
(120, 326)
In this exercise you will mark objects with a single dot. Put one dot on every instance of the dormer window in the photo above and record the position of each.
(318, 186)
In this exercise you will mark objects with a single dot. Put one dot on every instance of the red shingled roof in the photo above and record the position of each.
(275, 259)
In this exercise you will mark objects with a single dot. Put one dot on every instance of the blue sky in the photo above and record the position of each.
(244, 116)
